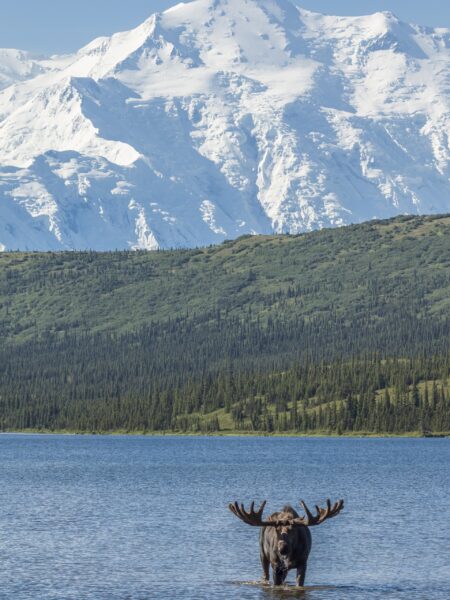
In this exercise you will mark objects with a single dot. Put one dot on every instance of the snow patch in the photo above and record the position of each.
(208, 211)
(145, 238)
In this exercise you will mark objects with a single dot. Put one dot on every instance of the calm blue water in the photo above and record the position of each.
(138, 518)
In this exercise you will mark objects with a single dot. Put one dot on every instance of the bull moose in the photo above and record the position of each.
(285, 540)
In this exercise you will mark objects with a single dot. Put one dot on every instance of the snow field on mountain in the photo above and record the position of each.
(220, 118)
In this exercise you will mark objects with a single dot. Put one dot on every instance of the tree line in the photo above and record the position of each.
(189, 376)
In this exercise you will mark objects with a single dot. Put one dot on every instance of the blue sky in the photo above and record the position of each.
(57, 26)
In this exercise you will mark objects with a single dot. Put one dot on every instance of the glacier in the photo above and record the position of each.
(218, 118)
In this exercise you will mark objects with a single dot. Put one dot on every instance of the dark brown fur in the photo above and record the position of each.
(284, 548)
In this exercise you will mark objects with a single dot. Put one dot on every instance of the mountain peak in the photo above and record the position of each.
(218, 118)
(17, 65)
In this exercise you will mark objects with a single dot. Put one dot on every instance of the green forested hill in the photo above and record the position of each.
(338, 330)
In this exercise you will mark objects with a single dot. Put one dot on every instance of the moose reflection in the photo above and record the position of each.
(285, 540)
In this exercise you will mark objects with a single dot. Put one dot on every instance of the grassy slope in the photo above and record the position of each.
(334, 269)
(226, 422)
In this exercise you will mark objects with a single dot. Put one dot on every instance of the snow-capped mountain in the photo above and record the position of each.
(16, 65)
(218, 118)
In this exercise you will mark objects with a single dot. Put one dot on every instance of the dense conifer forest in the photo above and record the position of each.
(337, 331)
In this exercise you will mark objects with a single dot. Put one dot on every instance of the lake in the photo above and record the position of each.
(134, 518)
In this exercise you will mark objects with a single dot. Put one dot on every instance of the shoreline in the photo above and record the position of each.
(230, 434)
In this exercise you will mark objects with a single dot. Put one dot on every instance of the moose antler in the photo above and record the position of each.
(253, 517)
(322, 514)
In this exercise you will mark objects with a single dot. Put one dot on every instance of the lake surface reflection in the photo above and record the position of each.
(134, 518)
